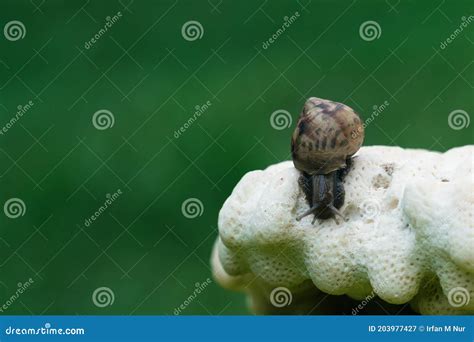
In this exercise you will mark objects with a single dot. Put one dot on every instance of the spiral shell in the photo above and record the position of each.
(327, 133)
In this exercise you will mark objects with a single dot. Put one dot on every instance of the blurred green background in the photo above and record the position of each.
(151, 79)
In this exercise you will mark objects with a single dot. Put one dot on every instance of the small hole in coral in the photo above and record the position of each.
(381, 181)
(393, 203)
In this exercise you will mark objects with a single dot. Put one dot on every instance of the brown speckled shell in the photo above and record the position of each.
(326, 134)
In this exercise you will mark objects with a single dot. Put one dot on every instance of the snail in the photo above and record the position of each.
(326, 137)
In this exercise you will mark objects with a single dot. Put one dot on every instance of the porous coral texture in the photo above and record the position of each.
(408, 236)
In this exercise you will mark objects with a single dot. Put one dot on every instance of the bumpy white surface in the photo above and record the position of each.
(409, 234)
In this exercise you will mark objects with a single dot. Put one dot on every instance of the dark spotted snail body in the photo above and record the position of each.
(326, 137)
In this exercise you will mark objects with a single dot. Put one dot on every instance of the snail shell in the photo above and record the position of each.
(327, 133)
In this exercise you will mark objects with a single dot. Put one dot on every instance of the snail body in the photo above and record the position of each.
(326, 137)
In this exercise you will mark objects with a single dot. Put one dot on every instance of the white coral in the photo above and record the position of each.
(409, 234)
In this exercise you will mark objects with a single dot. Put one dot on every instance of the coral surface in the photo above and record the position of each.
(408, 236)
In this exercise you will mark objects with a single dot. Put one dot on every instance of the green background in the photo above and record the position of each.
(151, 79)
